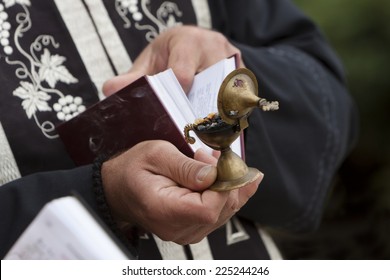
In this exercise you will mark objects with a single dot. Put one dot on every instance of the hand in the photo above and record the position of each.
(186, 49)
(157, 188)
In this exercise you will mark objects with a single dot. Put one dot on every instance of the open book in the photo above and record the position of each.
(151, 108)
(66, 229)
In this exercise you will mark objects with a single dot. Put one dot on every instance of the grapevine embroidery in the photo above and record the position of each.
(39, 71)
(131, 11)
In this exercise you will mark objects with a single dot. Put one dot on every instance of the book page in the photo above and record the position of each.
(175, 101)
(64, 229)
(203, 95)
(204, 92)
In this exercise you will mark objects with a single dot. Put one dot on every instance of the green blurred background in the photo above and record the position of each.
(356, 223)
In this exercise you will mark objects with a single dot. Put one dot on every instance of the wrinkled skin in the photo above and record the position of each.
(156, 187)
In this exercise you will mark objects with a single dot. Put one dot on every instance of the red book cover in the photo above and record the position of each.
(120, 121)
(138, 113)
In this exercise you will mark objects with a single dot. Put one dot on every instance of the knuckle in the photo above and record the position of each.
(184, 77)
(182, 241)
(219, 38)
(196, 239)
(209, 217)
(233, 204)
(167, 236)
(152, 149)
(193, 31)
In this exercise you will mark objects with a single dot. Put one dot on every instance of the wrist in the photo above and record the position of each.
(126, 232)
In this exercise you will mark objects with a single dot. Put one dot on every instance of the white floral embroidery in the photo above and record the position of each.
(53, 71)
(9, 3)
(33, 99)
(68, 107)
(166, 16)
(39, 71)
(5, 26)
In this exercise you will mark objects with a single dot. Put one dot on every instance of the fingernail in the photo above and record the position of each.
(202, 174)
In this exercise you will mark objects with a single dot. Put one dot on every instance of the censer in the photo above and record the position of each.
(237, 97)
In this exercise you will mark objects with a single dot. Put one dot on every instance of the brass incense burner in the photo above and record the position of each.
(237, 97)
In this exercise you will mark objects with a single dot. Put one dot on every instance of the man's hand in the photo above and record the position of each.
(156, 187)
(186, 49)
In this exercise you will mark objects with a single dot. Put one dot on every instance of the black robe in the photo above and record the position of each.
(53, 56)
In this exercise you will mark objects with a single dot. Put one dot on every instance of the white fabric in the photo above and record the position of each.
(83, 33)
(269, 244)
(110, 37)
(9, 170)
(202, 13)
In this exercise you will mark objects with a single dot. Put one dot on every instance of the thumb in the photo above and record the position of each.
(192, 174)
(165, 159)
(205, 156)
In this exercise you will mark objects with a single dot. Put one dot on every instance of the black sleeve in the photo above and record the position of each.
(300, 147)
(22, 199)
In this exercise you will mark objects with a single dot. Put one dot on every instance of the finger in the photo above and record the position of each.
(237, 199)
(183, 210)
(204, 156)
(115, 84)
(149, 62)
(187, 172)
(184, 68)
(216, 154)
(200, 208)
(201, 214)
(152, 60)
(194, 175)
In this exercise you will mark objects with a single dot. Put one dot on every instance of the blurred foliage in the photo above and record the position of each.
(356, 223)
(359, 30)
